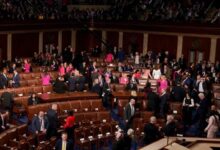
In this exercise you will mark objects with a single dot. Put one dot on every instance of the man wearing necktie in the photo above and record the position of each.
(129, 112)
(3, 79)
(64, 143)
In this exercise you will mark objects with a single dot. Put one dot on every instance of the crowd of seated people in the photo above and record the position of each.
(145, 10)
(176, 81)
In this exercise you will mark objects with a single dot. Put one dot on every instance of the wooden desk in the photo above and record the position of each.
(54, 97)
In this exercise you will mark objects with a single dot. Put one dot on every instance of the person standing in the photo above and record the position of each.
(213, 125)
(129, 112)
(53, 121)
(64, 143)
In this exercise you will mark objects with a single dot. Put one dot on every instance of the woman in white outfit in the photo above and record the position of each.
(156, 72)
(213, 125)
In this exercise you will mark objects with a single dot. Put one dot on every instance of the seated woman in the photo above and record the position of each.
(123, 79)
(146, 73)
(27, 66)
(33, 100)
(109, 57)
(163, 83)
(45, 78)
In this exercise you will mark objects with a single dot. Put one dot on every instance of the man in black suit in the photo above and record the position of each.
(53, 121)
(64, 143)
(151, 131)
(96, 87)
(178, 93)
(16, 79)
(39, 123)
(59, 85)
(7, 100)
(129, 113)
(3, 79)
(76, 81)
(163, 103)
(153, 101)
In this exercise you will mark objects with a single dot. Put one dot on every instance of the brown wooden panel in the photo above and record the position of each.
(112, 38)
(24, 44)
(86, 40)
(132, 42)
(66, 38)
(158, 43)
(3, 46)
(197, 44)
(217, 55)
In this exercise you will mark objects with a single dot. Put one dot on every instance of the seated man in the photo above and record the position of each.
(39, 123)
(59, 85)
(76, 81)
(64, 143)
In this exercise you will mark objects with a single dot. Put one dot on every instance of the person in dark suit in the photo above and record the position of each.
(16, 80)
(170, 129)
(76, 81)
(33, 100)
(96, 87)
(163, 103)
(39, 123)
(129, 112)
(119, 143)
(201, 112)
(151, 131)
(59, 85)
(4, 117)
(64, 143)
(53, 121)
(3, 79)
(153, 101)
(106, 92)
(178, 93)
(7, 100)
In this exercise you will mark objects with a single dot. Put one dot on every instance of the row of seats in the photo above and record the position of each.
(94, 136)
(27, 90)
(19, 138)
(77, 106)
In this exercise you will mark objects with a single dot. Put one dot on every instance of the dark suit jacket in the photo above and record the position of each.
(153, 101)
(3, 81)
(151, 133)
(178, 93)
(127, 112)
(7, 100)
(16, 79)
(58, 146)
(52, 118)
(59, 86)
(31, 102)
(35, 124)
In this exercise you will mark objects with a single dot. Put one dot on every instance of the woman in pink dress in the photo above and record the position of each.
(61, 70)
(69, 68)
(109, 58)
(123, 79)
(45, 78)
(163, 84)
(27, 66)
